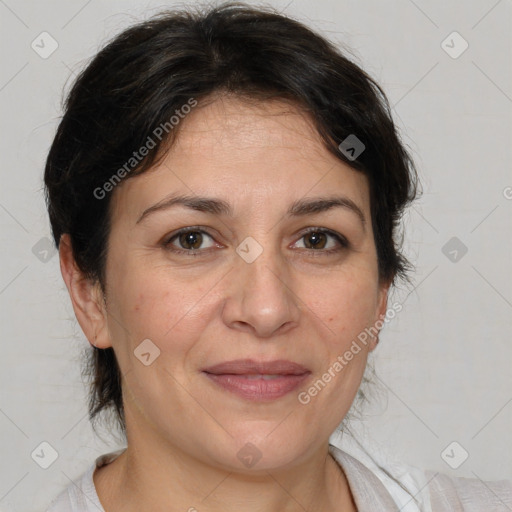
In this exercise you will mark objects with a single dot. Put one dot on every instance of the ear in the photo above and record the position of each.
(382, 306)
(86, 297)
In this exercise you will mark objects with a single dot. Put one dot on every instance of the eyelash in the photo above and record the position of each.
(198, 252)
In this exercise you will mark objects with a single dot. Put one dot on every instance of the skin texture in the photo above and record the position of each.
(293, 302)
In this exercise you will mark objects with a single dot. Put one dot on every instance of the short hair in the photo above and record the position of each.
(138, 81)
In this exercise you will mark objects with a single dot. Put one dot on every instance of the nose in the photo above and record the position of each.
(261, 300)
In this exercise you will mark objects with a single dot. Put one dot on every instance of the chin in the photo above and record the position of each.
(260, 446)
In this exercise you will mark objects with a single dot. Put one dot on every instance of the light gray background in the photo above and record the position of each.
(444, 365)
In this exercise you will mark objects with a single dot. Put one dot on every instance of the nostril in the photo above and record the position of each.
(243, 326)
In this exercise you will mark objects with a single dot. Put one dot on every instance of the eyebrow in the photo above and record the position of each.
(215, 206)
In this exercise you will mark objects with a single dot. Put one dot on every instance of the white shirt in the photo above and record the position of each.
(373, 490)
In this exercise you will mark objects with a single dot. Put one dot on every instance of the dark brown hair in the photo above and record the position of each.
(136, 83)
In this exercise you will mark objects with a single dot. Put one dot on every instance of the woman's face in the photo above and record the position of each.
(246, 284)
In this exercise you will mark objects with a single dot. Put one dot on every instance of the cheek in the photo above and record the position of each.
(162, 310)
(348, 310)
(165, 310)
(345, 305)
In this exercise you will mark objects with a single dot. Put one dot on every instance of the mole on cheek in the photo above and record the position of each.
(139, 302)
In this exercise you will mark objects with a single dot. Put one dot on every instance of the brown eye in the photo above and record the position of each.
(323, 241)
(315, 240)
(189, 241)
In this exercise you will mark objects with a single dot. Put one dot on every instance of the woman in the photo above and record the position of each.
(224, 190)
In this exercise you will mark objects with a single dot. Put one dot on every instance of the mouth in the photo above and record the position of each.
(258, 381)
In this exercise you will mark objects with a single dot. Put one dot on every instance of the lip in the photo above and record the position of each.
(245, 378)
(251, 366)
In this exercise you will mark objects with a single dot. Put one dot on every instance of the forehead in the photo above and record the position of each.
(259, 152)
(238, 123)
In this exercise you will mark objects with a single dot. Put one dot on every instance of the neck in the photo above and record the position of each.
(154, 475)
